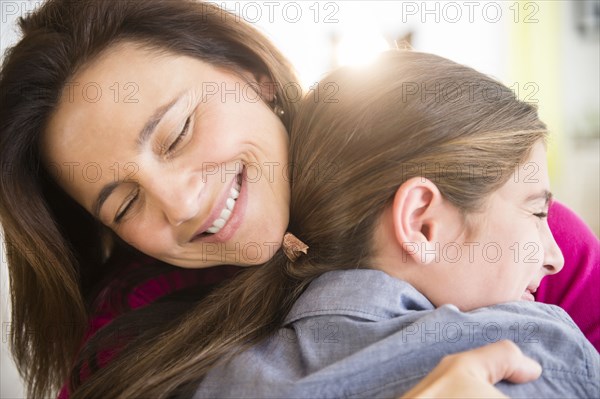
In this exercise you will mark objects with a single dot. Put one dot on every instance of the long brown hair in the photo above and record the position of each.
(412, 114)
(53, 245)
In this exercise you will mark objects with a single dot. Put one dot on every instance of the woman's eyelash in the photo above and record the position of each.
(541, 215)
(122, 213)
(184, 131)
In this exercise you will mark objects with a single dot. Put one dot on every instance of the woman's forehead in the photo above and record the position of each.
(119, 90)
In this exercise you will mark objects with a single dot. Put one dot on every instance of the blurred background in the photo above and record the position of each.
(546, 51)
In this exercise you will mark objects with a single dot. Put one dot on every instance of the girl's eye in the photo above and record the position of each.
(541, 215)
(126, 207)
(183, 133)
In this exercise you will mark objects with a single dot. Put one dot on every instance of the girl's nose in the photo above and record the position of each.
(553, 257)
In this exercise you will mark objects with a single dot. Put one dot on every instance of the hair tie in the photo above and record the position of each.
(293, 247)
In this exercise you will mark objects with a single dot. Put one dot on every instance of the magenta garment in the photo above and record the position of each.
(576, 288)
(118, 297)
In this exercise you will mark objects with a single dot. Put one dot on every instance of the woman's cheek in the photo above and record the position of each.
(145, 238)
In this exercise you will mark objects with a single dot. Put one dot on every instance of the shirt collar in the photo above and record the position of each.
(365, 293)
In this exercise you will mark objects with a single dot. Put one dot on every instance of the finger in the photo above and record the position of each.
(505, 361)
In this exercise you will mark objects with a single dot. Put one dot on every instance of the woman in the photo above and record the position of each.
(61, 39)
(53, 249)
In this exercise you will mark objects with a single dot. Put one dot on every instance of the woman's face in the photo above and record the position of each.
(182, 160)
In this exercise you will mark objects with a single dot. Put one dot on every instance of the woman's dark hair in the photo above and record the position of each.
(54, 249)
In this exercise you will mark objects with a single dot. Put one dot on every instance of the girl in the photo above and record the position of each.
(398, 225)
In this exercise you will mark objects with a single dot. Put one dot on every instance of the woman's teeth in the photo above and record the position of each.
(226, 212)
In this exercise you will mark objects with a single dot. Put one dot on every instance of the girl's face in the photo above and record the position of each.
(184, 161)
(512, 248)
(505, 254)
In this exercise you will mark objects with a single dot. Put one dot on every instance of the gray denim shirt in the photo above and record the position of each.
(362, 333)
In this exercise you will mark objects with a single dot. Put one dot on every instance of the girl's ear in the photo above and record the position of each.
(417, 213)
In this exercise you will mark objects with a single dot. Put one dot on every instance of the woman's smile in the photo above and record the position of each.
(227, 214)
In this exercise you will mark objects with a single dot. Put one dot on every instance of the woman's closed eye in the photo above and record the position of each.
(127, 205)
(541, 215)
(133, 197)
(184, 131)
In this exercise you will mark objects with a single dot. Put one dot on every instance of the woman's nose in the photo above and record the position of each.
(178, 197)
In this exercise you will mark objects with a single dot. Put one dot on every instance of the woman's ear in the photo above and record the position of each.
(267, 89)
(417, 213)
(262, 85)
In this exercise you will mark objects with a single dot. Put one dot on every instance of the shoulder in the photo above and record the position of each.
(345, 355)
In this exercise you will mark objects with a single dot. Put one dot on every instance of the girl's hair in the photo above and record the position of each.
(410, 115)
(53, 245)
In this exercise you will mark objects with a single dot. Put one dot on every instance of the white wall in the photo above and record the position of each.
(578, 182)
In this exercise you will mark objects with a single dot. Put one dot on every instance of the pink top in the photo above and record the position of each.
(118, 297)
(575, 288)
